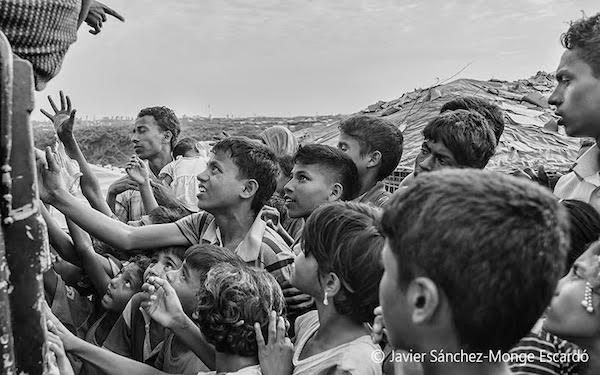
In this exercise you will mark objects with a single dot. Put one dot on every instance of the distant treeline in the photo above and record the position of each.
(107, 142)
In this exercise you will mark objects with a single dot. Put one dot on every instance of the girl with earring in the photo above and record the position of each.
(340, 267)
(574, 313)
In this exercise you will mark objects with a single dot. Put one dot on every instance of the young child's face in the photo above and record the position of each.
(219, 185)
(309, 188)
(351, 147)
(122, 287)
(434, 156)
(567, 317)
(163, 262)
(186, 282)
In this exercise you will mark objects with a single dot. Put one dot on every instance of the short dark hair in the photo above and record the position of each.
(183, 146)
(344, 239)
(491, 112)
(166, 119)
(376, 134)
(466, 134)
(234, 298)
(163, 214)
(177, 251)
(142, 261)
(494, 244)
(342, 168)
(254, 160)
(584, 224)
(203, 257)
(583, 37)
(286, 164)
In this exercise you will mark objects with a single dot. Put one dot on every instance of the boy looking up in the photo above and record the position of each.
(240, 177)
(375, 147)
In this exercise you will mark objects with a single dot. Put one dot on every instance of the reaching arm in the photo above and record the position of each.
(136, 170)
(95, 265)
(59, 240)
(109, 362)
(113, 232)
(64, 120)
(164, 307)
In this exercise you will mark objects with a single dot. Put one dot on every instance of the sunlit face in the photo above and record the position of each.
(396, 315)
(122, 287)
(434, 156)
(162, 262)
(577, 96)
(186, 282)
(219, 186)
(566, 317)
(147, 137)
(306, 275)
(308, 189)
(351, 147)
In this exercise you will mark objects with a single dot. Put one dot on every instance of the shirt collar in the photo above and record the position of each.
(249, 248)
(588, 166)
(366, 195)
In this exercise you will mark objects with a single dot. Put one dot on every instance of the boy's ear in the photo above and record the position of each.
(249, 188)
(374, 159)
(167, 136)
(337, 190)
(424, 299)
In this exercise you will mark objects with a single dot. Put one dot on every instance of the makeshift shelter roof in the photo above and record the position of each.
(530, 137)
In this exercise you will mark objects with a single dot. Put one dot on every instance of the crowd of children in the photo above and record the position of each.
(275, 258)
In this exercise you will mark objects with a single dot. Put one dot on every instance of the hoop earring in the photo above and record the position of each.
(325, 300)
(587, 302)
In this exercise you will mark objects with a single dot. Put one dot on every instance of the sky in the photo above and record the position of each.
(301, 57)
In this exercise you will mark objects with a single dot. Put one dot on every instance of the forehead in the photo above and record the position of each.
(347, 139)
(438, 148)
(313, 170)
(146, 121)
(571, 62)
(131, 270)
(164, 255)
(225, 161)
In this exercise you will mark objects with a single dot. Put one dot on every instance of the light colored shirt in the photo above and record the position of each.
(183, 172)
(583, 183)
(261, 247)
(354, 357)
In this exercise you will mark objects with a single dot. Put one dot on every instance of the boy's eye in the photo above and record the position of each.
(128, 284)
(424, 150)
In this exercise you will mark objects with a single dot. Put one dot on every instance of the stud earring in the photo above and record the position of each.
(587, 302)
(325, 300)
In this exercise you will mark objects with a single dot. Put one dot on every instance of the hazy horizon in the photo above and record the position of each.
(283, 59)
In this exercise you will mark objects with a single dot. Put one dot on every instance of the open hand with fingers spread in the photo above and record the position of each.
(97, 16)
(275, 356)
(63, 118)
(162, 303)
(137, 171)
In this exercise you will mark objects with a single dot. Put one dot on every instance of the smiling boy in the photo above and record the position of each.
(240, 177)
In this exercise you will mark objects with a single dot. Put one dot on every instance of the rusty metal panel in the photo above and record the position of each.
(6, 338)
(25, 234)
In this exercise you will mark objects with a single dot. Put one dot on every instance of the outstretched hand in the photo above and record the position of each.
(162, 303)
(63, 118)
(136, 170)
(97, 16)
(50, 180)
(275, 356)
